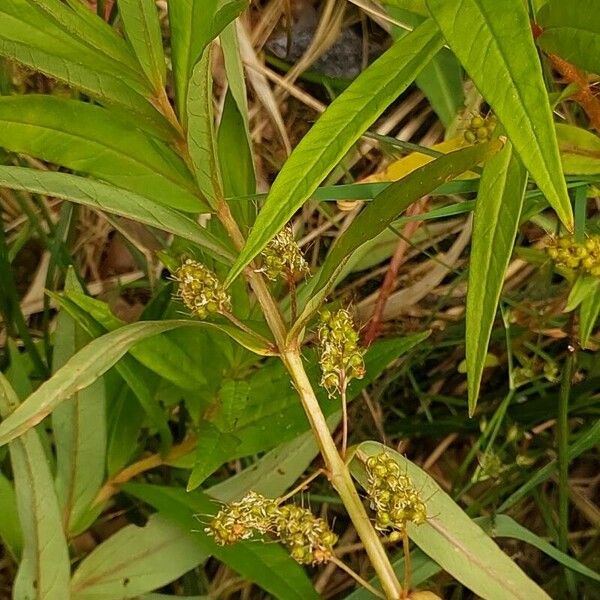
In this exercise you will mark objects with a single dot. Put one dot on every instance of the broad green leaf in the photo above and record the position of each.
(382, 211)
(579, 150)
(89, 139)
(113, 200)
(194, 24)
(572, 31)
(78, 425)
(44, 570)
(266, 564)
(136, 560)
(11, 536)
(497, 213)
(91, 60)
(201, 130)
(495, 38)
(142, 27)
(82, 370)
(451, 539)
(335, 132)
(588, 316)
(85, 27)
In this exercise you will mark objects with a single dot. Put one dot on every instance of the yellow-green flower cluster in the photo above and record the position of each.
(308, 538)
(341, 358)
(200, 289)
(240, 520)
(480, 129)
(392, 495)
(283, 257)
(585, 256)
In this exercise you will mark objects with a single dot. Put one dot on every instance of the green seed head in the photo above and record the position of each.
(283, 258)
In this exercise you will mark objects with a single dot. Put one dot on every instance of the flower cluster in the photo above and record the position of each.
(341, 359)
(308, 538)
(585, 257)
(283, 257)
(480, 129)
(238, 521)
(200, 289)
(393, 497)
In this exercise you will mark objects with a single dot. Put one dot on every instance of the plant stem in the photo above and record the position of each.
(344, 567)
(337, 470)
(340, 475)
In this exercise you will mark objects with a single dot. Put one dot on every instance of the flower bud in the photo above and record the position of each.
(283, 258)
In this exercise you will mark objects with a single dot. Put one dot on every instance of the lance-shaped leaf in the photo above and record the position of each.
(351, 113)
(44, 570)
(89, 139)
(455, 542)
(113, 200)
(497, 214)
(140, 18)
(494, 38)
(78, 425)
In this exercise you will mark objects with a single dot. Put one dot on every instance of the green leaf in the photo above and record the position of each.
(495, 38)
(497, 213)
(83, 369)
(451, 539)
(113, 200)
(504, 526)
(579, 150)
(201, 131)
(194, 24)
(335, 132)
(89, 139)
(136, 560)
(381, 212)
(588, 316)
(44, 570)
(11, 535)
(78, 425)
(572, 31)
(584, 286)
(266, 564)
(140, 18)
(77, 50)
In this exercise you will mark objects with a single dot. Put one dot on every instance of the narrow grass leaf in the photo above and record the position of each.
(497, 213)
(114, 200)
(266, 564)
(88, 139)
(492, 37)
(452, 540)
(588, 316)
(44, 570)
(347, 117)
(382, 211)
(136, 560)
(142, 27)
(78, 425)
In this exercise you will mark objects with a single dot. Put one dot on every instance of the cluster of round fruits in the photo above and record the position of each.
(200, 289)
(341, 359)
(480, 129)
(283, 257)
(584, 257)
(392, 495)
(308, 538)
